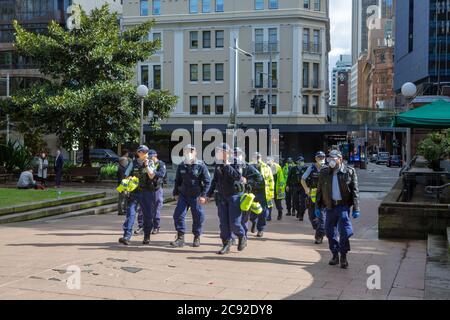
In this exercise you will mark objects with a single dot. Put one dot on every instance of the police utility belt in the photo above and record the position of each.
(336, 203)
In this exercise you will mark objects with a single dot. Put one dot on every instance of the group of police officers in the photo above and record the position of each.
(328, 189)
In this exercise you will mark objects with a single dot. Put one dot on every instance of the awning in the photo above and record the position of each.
(435, 115)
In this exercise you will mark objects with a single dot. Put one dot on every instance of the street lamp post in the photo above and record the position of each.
(409, 91)
(142, 92)
(237, 50)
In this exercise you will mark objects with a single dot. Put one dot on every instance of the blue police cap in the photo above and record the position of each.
(300, 159)
(320, 154)
(143, 149)
(224, 147)
(189, 147)
(152, 153)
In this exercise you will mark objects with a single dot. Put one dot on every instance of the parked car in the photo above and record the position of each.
(382, 158)
(395, 161)
(373, 157)
(100, 156)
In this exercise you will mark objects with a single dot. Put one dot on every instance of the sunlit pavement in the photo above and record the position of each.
(285, 264)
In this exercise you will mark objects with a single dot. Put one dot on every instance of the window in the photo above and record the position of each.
(157, 36)
(306, 4)
(156, 7)
(315, 105)
(219, 71)
(206, 72)
(219, 38)
(274, 104)
(144, 7)
(144, 75)
(274, 74)
(206, 6)
(305, 39)
(193, 72)
(273, 39)
(259, 4)
(259, 76)
(219, 104)
(317, 5)
(259, 40)
(273, 4)
(316, 75)
(193, 39)
(316, 41)
(206, 105)
(157, 77)
(193, 105)
(206, 39)
(193, 6)
(219, 5)
(305, 104)
(305, 74)
(261, 97)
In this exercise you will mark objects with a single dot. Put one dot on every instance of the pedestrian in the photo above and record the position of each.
(227, 181)
(59, 163)
(42, 168)
(192, 182)
(280, 187)
(253, 183)
(26, 180)
(294, 186)
(259, 222)
(158, 183)
(337, 193)
(144, 195)
(289, 203)
(121, 174)
(310, 179)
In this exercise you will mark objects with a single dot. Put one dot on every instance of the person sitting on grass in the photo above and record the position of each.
(26, 180)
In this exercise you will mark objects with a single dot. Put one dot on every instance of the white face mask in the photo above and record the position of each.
(189, 157)
(332, 164)
(321, 162)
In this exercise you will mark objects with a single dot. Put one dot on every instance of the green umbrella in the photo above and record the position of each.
(435, 115)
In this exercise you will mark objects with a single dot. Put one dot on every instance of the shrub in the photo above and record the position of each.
(436, 146)
(15, 157)
(109, 172)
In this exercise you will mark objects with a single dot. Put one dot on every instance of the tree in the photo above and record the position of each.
(90, 96)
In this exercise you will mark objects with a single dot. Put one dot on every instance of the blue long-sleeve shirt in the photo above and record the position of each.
(224, 180)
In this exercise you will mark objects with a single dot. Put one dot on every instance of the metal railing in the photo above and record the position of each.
(312, 48)
(264, 84)
(265, 47)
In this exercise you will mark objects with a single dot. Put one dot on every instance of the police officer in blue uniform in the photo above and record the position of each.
(192, 183)
(337, 193)
(158, 183)
(253, 182)
(144, 195)
(310, 179)
(294, 186)
(227, 181)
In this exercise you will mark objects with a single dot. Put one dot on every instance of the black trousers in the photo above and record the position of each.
(299, 200)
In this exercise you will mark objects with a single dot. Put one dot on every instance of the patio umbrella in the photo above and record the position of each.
(435, 115)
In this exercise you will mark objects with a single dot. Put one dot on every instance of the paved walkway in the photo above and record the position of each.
(284, 265)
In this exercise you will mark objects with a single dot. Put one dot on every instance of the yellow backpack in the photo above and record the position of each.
(256, 208)
(128, 185)
(247, 201)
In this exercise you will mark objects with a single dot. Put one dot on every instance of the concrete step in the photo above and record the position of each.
(53, 211)
(437, 272)
(107, 209)
(448, 239)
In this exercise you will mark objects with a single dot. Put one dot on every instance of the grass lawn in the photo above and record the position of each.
(16, 197)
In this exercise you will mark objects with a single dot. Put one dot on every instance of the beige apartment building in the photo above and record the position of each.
(196, 63)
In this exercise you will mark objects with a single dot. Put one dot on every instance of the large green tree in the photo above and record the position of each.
(90, 96)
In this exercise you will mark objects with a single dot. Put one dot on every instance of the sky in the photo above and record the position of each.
(341, 29)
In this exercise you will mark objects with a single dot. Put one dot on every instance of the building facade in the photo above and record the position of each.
(423, 46)
(342, 69)
(196, 64)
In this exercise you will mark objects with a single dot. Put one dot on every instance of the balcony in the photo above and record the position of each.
(312, 48)
(263, 85)
(313, 86)
(265, 47)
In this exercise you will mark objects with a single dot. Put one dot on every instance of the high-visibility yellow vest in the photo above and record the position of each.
(266, 172)
(247, 201)
(128, 185)
(313, 195)
(280, 184)
(256, 208)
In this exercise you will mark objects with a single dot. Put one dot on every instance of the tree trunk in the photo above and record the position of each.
(86, 154)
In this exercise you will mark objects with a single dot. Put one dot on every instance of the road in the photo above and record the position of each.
(285, 264)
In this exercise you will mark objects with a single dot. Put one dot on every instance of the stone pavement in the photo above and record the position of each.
(285, 264)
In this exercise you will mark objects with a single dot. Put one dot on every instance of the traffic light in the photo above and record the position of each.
(253, 103)
(262, 104)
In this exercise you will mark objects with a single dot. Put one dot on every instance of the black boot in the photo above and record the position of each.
(344, 262)
(196, 243)
(226, 247)
(319, 240)
(335, 260)
(124, 241)
(288, 213)
(146, 240)
(280, 215)
(260, 234)
(155, 231)
(179, 241)
(253, 227)
(242, 243)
